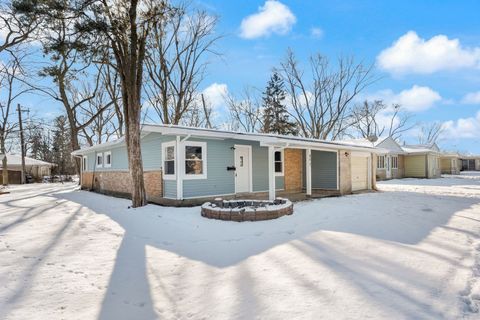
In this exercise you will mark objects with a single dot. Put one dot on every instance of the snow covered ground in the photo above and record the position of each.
(411, 251)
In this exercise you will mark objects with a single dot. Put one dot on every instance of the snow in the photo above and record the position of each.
(409, 251)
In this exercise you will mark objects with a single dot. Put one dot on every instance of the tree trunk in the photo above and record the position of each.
(4, 163)
(135, 164)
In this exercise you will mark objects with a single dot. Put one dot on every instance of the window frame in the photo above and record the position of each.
(105, 155)
(202, 145)
(382, 162)
(99, 155)
(282, 161)
(165, 145)
(394, 162)
(84, 163)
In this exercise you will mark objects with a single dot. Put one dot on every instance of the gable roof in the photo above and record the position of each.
(264, 139)
(16, 160)
(386, 145)
(421, 148)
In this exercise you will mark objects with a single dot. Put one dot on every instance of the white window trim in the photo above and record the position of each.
(96, 160)
(105, 154)
(85, 163)
(164, 148)
(282, 155)
(383, 163)
(394, 162)
(203, 145)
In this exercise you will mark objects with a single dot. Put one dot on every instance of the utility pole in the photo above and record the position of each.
(22, 142)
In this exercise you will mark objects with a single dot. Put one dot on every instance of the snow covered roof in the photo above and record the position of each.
(264, 139)
(16, 159)
(385, 145)
(421, 148)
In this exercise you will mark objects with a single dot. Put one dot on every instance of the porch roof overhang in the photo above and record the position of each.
(266, 140)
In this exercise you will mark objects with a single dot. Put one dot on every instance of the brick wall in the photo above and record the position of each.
(293, 169)
(120, 183)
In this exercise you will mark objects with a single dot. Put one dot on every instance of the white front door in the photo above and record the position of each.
(388, 166)
(242, 169)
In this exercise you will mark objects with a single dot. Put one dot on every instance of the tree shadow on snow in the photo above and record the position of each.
(402, 217)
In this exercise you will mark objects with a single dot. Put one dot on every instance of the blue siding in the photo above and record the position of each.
(170, 189)
(324, 170)
(220, 155)
(279, 183)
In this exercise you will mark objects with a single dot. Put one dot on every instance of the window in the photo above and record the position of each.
(84, 163)
(278, 163)
(395, 162)
(381, 162)
(99, 160)
(108, 159)
(195, 160)
(168, 155)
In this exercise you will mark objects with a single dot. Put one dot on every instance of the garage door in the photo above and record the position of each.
(359, 167)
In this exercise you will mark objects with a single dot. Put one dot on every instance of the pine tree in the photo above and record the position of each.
(61, 147)
(275, 114)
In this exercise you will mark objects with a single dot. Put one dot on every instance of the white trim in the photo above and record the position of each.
(105, 155)
(271, 173)
(99, 155)
(164, 148)
(308, 171)
(282, 155)
(178, 172)
(202, 145)
(250, 167)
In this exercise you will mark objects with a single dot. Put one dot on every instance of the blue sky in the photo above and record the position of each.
(434, 66)
(427, 52)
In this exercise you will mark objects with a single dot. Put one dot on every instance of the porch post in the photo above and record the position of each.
(271, 173)
(178, 166)
(308, 172)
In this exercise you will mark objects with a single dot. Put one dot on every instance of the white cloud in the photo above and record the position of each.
(316, 32)
(462, 128)
(415, 99)
(472, 98)
(215, 94)
(412, 54)
(272, 17)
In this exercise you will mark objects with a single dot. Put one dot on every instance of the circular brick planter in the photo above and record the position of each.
(246, 210)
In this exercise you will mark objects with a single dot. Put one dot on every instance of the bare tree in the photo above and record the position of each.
(199, 114)
(321, 101)
(177, 56)
(430, 133)
(9, 75)
(245, 112)
(123, 30)
(100, 108)
(374, 119)
(18, 20)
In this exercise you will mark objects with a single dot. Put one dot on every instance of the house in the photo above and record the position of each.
(185, 165)
(450, 163)
(390, 157)
(422, 161)
(33, 167)
(470, 162)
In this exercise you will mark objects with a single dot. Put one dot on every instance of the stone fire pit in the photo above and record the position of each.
(246, 210)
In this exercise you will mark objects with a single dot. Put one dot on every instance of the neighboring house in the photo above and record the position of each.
(470, 162)
(422, 161)
(450, 163)
(184, 165)
(390, 157)
(33, 167)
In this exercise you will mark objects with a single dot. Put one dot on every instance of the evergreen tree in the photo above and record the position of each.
(275, 114)
(61, 147)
